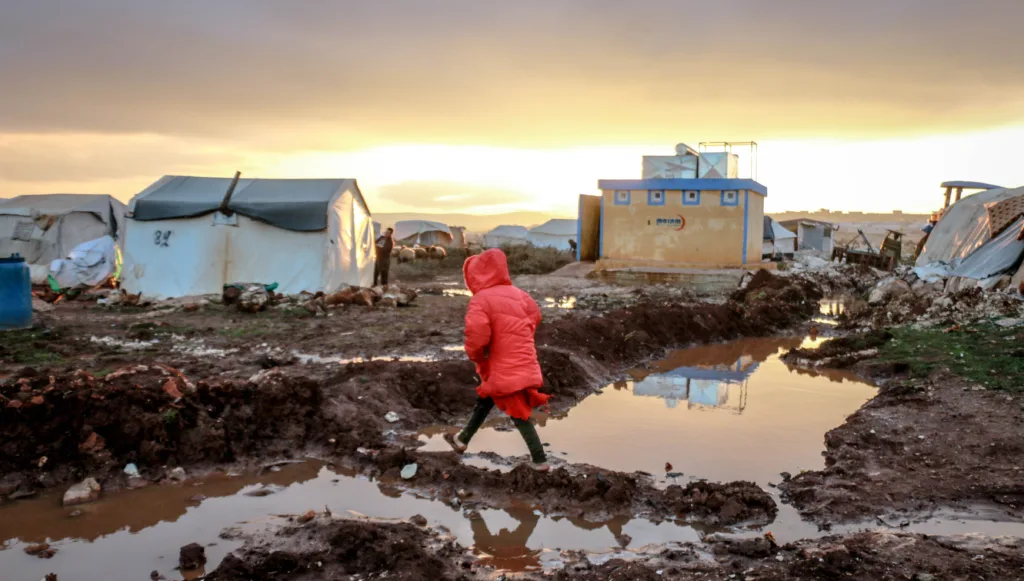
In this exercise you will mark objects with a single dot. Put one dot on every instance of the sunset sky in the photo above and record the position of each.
(481, 106)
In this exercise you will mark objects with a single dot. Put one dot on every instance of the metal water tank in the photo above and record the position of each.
(15, 294)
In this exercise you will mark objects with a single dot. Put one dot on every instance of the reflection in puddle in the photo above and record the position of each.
(141, 530)
(724, 412)
(456, 292)
(311, 358)
(560, 303)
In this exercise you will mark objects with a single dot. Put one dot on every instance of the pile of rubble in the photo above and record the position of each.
(834, 278)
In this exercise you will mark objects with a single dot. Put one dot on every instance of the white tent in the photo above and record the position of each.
(963, 227)
(44, 228)
(777, 239)
(554, 233)
(503, 235)
(305, 235)
(422, 232)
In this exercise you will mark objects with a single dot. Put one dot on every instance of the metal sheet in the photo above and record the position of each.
(718, 165)
(680, 167)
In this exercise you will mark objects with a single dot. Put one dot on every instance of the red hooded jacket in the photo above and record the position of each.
(500, 325)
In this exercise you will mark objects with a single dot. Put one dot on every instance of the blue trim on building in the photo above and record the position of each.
(650, 198)
(694, 203)
(615, 197)
(600, 235)
(684, 184)
(579, 230)
(734, 202)
(746, 220)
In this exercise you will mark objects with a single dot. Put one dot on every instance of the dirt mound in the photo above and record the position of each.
(153, 416)
(336, 549)
(581, 490)
(645, 330)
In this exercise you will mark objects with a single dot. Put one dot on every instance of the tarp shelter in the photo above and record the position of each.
(812, 234)
(503, 235)
(422, 232)
(305, 235)
(963, 228)
(555, 234)
(44, 228)
(777, 240)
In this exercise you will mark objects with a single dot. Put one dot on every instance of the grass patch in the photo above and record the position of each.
(984, 354)
(29, 346)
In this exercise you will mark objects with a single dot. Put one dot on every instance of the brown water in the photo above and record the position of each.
(721, 412)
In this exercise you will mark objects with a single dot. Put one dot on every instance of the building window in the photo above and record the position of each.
(23, 230)
(730, 198)
(656, 198)
(622, 198)
(691, 198)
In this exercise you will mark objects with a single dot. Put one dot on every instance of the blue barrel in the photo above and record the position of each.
(15, 294)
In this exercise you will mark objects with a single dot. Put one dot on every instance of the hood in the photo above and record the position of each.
(486, 270)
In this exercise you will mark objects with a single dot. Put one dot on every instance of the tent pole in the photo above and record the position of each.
(949, 192)
(227, 197)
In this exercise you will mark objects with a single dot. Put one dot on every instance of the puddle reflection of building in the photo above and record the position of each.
(703, 376)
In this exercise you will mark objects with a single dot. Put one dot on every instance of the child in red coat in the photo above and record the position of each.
(500, 325)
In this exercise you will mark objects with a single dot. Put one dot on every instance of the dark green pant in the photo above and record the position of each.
(526, 429)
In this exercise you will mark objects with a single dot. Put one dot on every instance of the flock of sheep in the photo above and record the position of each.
(411, 253)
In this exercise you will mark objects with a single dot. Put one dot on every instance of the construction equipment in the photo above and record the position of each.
(886, 257)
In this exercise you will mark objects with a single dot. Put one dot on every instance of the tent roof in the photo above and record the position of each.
(509, 231)
(775, 231)
(409, 228)
(970, 185)
(60, 204)
(963, 227)
(557, 227)
(300, 205)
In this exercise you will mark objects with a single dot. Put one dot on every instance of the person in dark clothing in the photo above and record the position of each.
(385, 244)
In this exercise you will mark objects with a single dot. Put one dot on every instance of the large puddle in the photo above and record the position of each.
(722, 412)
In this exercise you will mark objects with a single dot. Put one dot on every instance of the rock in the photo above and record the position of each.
(177, 474)
(94, 443)
(36, 549)
(84, 492)
(342, 297)
(131, 470)
(191, 557)
(171, 388)
(888, 289)
(409, 471)
(41, 306)
(391, 417)
(253, 299)
(137, 482)
(1010, 322)
(418, 520)
(924, 577)
(363, 298)
(307, 517)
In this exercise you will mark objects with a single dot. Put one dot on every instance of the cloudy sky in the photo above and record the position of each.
(488, 106)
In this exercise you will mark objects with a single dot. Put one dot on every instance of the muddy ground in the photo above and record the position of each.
(328, 548)
(925, 442)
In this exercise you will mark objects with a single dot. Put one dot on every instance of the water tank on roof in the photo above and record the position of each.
(15, 294)
(683, 149)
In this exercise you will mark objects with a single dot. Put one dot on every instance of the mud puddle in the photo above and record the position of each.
(131, 533)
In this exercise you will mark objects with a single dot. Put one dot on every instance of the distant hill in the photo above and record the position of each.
(472, 222)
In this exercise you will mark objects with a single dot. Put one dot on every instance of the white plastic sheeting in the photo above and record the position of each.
(934, 272)
(995, 257)
(422, 232)
(48, 227)
(963, 228)
(199, 255)
(777, 239)
(88, 265)
(503, 235)
(554, 234)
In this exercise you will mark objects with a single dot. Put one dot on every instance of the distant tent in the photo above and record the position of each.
(777, 240)
(503, 235)
(304, 235)
(554, 234)
(44, 228)
(422, 232)
(963, 228)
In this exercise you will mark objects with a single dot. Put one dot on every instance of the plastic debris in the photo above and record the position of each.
(409, 471)
(391, 417)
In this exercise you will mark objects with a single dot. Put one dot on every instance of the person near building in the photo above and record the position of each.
(385, 244)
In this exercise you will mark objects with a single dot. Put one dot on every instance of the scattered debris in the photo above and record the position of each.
(409, 471)
(177, 474)
(84, 492)
(307, 517)
(131, 470)
(391, 417)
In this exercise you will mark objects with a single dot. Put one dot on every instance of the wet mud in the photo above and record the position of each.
(922, 444)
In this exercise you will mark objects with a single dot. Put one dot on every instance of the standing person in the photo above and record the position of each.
(500, 326)
(385, 244)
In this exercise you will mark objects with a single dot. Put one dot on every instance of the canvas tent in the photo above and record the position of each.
(44, 228)
(423, 233)
(554, 234)
(305, 235)
(503, 235)
(777, 240)
(964, 227)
